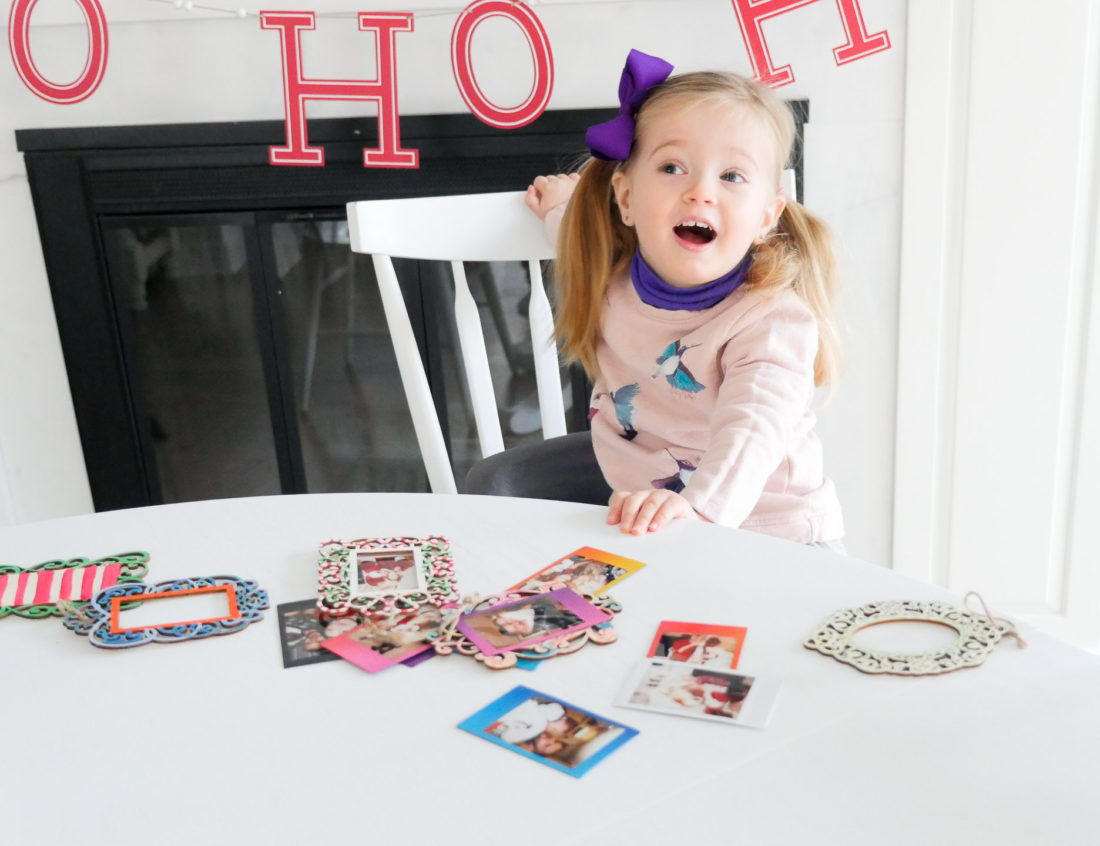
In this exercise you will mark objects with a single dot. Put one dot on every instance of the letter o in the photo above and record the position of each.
(82, 87)
(478, 103)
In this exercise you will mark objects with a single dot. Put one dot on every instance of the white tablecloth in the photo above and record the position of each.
(213, 741)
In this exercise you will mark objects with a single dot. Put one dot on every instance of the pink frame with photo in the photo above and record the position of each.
(564, 598)
(351, 648)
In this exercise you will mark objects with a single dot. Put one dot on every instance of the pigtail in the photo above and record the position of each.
(798, 254)
(593, 243)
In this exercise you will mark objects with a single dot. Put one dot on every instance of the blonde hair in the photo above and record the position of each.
(594, 243)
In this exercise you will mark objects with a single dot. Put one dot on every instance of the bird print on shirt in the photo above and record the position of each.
(623, 400)
(670, 364)
(678, 480)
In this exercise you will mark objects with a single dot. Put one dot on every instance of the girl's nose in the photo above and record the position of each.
(699, 190)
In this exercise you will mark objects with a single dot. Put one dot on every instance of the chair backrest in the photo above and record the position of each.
(470, 227)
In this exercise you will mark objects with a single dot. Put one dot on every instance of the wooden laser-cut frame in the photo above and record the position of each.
(335, 576)
(98, 619)
(978, 636)
(227, 589)
(132, 568)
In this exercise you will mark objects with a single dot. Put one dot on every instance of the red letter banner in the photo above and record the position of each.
(859, 43)
(531, 26)
(82, 87)
(297, 89)
(750, 15)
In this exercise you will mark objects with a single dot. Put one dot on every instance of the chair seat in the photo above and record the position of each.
(562, 468)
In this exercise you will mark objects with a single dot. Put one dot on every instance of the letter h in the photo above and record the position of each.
(383, 91)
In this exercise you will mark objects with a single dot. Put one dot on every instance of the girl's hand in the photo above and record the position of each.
(546, 192)
(637, 512)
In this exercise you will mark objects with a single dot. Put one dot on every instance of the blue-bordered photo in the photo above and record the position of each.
(548, 730)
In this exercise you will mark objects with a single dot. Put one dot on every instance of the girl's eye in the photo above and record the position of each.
(671, 168)
(733, 176)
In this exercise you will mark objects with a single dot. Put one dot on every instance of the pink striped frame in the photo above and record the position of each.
(34, 592)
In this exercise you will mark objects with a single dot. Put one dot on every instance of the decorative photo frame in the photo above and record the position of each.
(99, 618)
(345, 587)
(977, 637)
(399, 639)
(529, 620)
(35, 592)
(452, 639)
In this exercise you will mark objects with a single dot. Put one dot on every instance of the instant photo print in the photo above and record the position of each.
(379, 644)
(302, 631)
(586, 570)
(385, 571)
(700, 644)
(675, 687)
(548, 730)
(528, 621)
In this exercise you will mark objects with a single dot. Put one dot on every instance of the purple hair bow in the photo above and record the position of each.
(612, 139)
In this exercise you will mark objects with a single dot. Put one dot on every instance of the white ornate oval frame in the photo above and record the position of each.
(977, 637)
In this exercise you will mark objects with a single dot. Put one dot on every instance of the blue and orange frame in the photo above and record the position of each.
(99, 619)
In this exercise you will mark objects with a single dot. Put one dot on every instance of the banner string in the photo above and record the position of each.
(241, 12)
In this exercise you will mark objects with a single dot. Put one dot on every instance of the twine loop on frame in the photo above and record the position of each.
(1006, 626)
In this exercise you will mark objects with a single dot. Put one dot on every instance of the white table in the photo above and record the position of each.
(212, 741)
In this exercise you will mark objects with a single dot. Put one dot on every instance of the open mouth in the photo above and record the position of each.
(695, 232)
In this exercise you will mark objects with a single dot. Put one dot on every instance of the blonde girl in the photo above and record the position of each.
(698, 297)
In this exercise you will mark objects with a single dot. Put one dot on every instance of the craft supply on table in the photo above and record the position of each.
(519, 625)
(977, 637)
(100, 619)
(548, 730)
(698, 643)
(379, 575)
(587, 570)
(675, 687)
(34, 592)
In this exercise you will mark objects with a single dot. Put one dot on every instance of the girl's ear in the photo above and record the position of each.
(620, 185)
(772, 211)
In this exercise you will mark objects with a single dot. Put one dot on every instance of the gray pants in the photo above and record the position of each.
(562, 468)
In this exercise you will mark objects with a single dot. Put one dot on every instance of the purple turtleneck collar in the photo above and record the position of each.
(654, 291)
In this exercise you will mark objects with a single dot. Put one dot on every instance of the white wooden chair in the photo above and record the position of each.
(471, 227)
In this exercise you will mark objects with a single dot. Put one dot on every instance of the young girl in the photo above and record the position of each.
(698, 296)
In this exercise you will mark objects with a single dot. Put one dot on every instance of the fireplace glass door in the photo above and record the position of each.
(259, 361)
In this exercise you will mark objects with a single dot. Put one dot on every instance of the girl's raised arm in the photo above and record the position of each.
(548, 192)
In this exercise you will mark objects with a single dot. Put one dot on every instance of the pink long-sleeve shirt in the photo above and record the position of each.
(717, 404)
(719, 401)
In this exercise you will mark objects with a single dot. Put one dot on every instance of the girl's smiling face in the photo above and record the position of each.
(700, 187)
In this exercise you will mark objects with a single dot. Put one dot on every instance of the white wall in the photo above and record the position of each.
(999, 400)
(166, 65)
